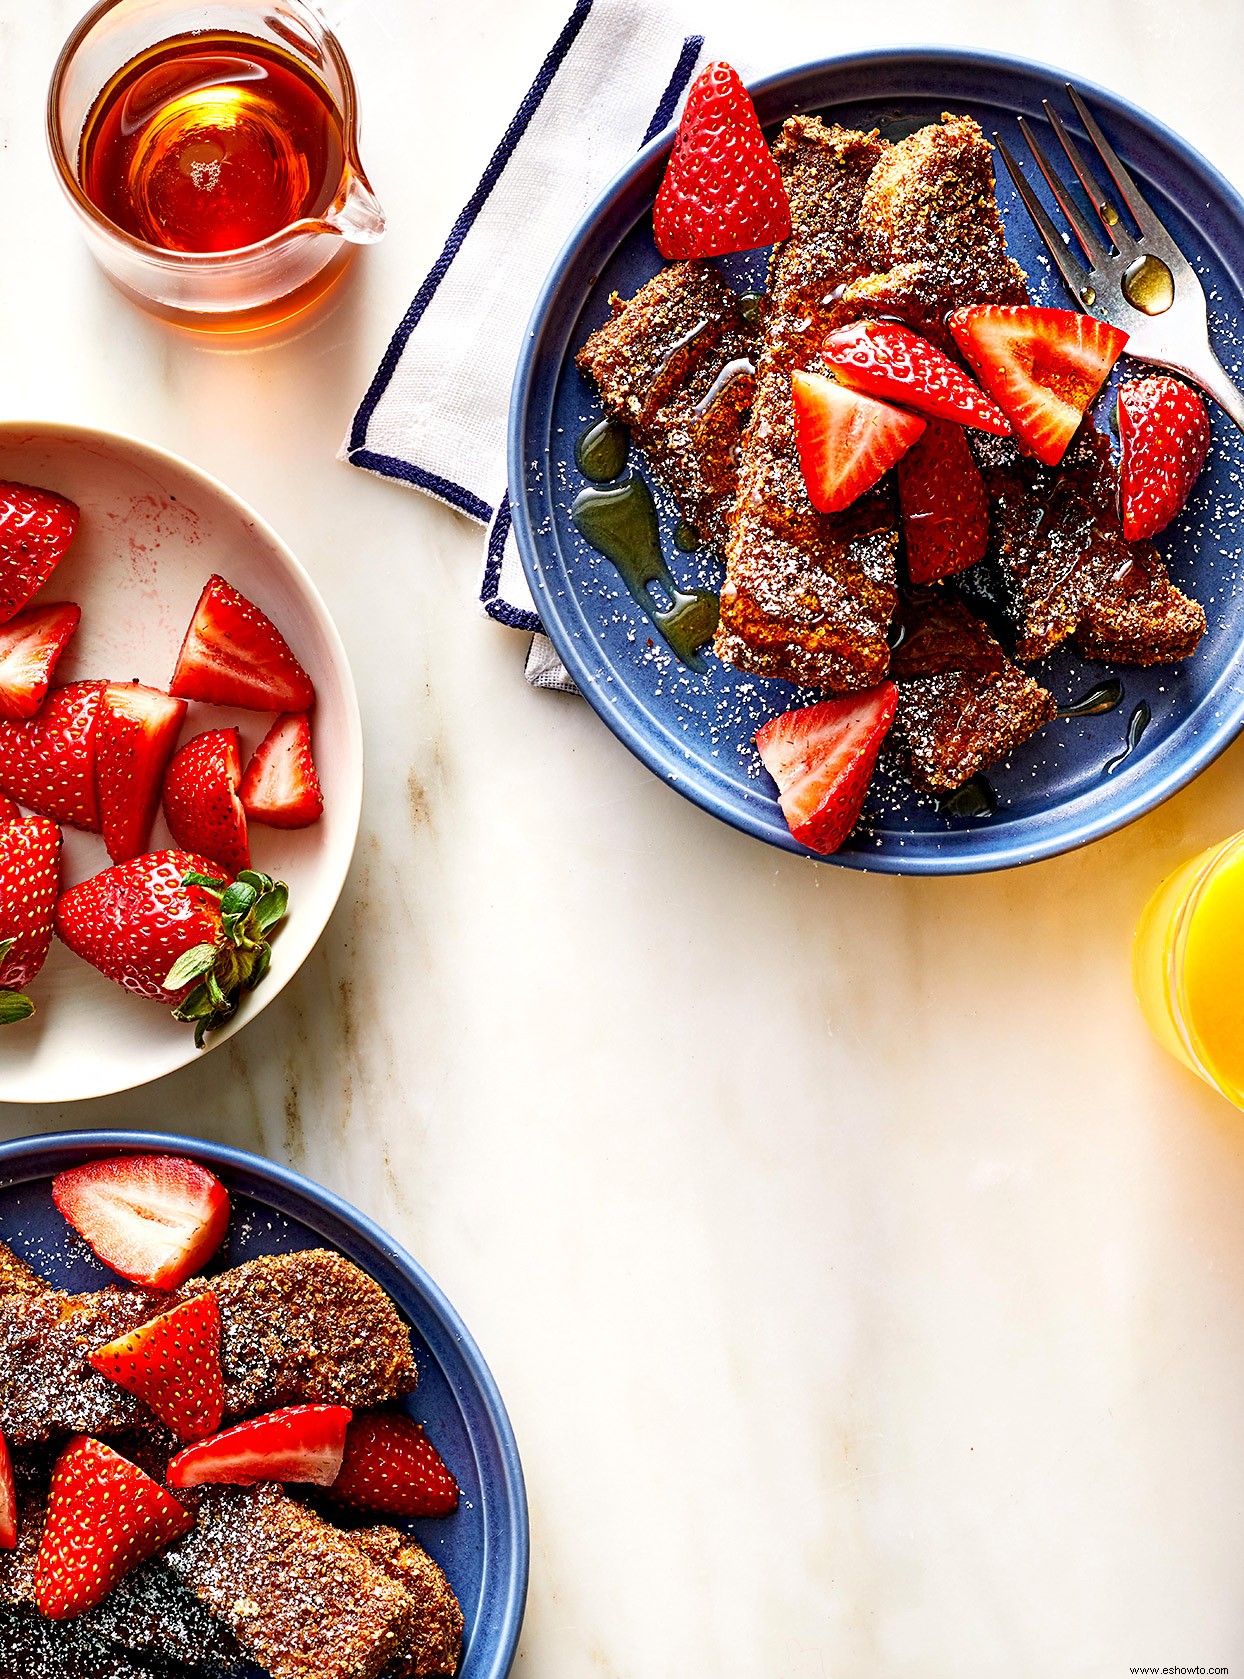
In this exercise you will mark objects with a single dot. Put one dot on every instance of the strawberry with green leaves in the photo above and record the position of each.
(104, 1519)
(173, 1364)
(167, 926)
(29, 871)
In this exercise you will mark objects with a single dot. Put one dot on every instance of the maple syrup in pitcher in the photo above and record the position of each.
(211, 142)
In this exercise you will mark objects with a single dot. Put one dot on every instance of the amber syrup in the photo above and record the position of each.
(211, 142)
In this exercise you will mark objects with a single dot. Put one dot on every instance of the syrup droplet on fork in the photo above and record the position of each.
(1149, 286)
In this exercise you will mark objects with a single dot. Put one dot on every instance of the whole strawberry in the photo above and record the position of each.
(1164, 430)
(104, 1518)
(36, 527)
(29, 869)
(722, 191)
(168, 927)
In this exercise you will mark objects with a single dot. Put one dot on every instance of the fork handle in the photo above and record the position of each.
(1215, 381)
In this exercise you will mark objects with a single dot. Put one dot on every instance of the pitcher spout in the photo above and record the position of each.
(357, 214)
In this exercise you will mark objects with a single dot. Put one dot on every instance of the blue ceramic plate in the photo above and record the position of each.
(483, 1546)
(1062, 788)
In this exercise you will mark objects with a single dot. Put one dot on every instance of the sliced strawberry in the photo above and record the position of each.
(847, 442)
(29, 875)
(8, 1499)
(944, 504)
(1041, 366)
(104, 1518)
(138, 729)
(822, 757)
(173, 1364)
(390, 1465)
(300, 1443)
(155, 1218)
(889, 361)
(36, 527)
(234, 655)
(30, 644)
(722, 191)
(47, 763)
(1164, 430)
(280, 786)
(201, 804)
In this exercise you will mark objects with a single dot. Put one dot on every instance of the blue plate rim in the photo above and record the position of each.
(97, 1144)
(1003, 853)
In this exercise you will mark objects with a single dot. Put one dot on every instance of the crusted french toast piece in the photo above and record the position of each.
(34, 1648)
(1063, 566)
(16, 1277)
(930, 228)
(435, 1644)
(676, 365)
(298, 1595)
(808, 596)
(307, 1328)
(962, 704)
(297, 1328)
(931, 232)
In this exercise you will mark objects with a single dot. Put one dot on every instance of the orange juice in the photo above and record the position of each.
(1188, 968)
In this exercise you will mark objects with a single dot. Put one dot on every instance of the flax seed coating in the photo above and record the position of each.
(435, 1646)
(931, 231)
(1064, 566)
(808, 596)
(46, 1385)
(676, 365)
(297, 1595)
(962, 704)
(16, 1277)
(307, 1328)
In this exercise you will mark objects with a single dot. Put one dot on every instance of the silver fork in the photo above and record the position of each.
(1141, 282)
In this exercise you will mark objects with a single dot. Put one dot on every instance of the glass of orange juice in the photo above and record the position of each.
(1187, 966)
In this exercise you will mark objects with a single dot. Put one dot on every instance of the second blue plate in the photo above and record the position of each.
(1067, 785)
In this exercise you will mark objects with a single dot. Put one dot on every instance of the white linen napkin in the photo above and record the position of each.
(435, 414)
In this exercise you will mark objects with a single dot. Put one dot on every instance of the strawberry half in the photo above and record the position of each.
(300, 1443)
(29, 874)
(722, 191)
(822, 758)
(47, 763)
(138, 729)
(847, 441)
(36, 527)
(392, 1466)
(280, 786)
(8, 1499)
(173, 1364)
(944, 504)
(167, 927)
(30, 645)
(890, 361)
(234, 655)
(1164, 431)
(155, 1218)
(104, 1518)
(201, 804)
(1041, 366)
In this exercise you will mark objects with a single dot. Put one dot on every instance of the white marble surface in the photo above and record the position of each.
(866, 1288)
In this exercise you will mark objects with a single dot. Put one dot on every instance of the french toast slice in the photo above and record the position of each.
(808, 596)
(931, 231)
(34, 1648)
(962, 704)
(676, 365)
(435, 1645)
(298, 1595)
(16, 1277)
(297, 1328)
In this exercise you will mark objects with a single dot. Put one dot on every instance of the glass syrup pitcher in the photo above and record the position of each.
(210, 153)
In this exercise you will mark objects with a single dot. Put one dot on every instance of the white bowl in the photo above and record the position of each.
(152, 531)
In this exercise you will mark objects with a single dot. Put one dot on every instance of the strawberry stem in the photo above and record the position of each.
(250, 907)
